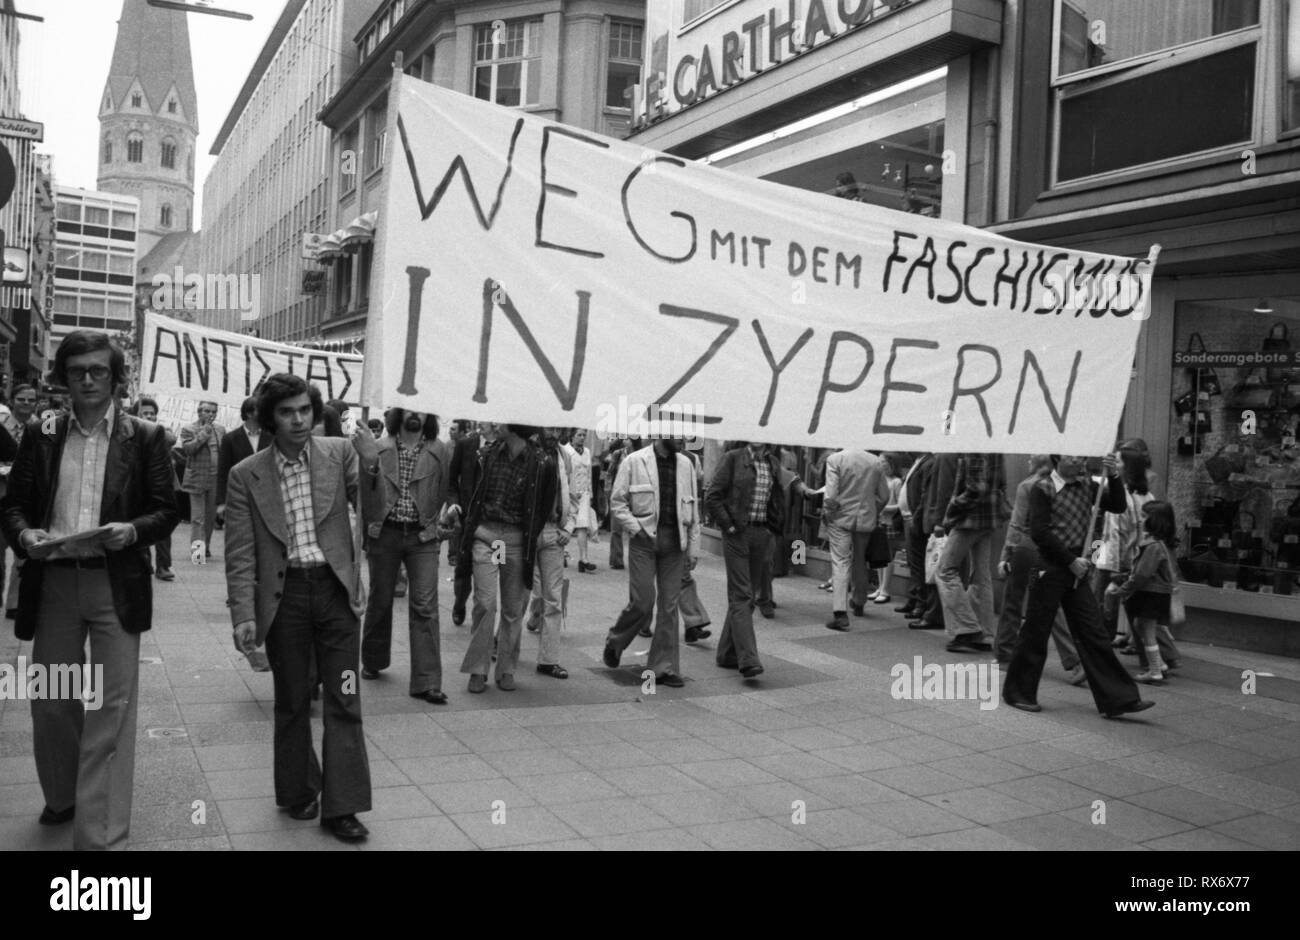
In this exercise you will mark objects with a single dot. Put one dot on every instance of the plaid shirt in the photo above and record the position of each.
(404, 509)
(1065, 508)
(979, 498)
(503, 490)
(762, 489)
(295, 489)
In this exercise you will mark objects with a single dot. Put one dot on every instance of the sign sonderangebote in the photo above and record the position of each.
(540, 273)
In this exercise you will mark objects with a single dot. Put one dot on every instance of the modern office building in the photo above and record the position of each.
(94, 263)
(271, 183)
(573, 61)
(1095, 124)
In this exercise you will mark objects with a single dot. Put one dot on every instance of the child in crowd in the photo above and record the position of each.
(1150, 585)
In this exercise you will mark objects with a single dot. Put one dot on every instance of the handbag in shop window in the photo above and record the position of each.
(1279, 340)
(1203, 378)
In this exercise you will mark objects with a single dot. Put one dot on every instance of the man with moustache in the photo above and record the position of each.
(403, 489)
(201, 445)
(503, 519)
(97, 471)
(293, 584)
(654, 504)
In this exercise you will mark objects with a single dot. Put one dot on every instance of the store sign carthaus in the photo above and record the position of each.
(740, 41)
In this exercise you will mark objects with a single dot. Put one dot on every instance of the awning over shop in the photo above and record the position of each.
(330, 249)
(359, 231)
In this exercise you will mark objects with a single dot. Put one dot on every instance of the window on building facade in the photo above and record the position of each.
(136, 100)
(623, 69)
(165, 216)
(693, 9)
(108, 151)
(171, 106)
(123, 219)
(97, 215)
(169, 155)
(135, 149)
(376, 135)
(68, 211)
(1148, 83)
(507, 65)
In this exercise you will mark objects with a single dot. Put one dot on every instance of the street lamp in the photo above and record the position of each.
(198, 7)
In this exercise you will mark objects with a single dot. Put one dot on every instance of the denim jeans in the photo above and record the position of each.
(967, 610)
(654, 566)
(387, 554)
(548, 585)
(498, 553)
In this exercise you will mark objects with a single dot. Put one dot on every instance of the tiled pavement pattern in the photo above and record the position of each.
(593, 762)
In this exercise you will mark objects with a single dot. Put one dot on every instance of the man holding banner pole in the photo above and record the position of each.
(1059, 522)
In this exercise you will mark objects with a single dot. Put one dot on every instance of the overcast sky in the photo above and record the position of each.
(64, 66)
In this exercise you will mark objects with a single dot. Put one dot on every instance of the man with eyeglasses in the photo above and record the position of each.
(201, 444)
(14, 421)
(89, 492)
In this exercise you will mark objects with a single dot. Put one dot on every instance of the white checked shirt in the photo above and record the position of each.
(80, 491)
(295, 489)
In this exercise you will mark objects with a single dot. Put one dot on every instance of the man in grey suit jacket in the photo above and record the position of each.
(292, 575)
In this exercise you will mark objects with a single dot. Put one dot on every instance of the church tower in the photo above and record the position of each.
(149, 121)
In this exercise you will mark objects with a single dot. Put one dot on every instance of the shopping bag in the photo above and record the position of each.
(933, 551)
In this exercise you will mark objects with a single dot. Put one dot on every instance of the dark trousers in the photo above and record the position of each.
(1024, 561)
(162, 554)
(763, 582)
(1049, 588)
(654, 566)
(314, 620)
(927, 595)
(387, 554)
(746, 553)
(689, 604)
(615, 546)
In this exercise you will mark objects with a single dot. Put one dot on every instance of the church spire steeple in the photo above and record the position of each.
(148, 120)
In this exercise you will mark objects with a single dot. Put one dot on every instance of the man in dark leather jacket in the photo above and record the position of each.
(94, 470)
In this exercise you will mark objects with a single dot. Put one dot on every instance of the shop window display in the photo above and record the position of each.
(1234, 459)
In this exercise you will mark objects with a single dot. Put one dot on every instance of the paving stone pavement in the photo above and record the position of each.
(815, 754)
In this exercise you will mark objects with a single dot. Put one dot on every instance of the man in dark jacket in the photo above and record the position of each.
(1060, 509)
(516, 484)
(461, 481)
(106, 478)
(747, 500)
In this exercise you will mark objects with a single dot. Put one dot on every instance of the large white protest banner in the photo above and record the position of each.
(183, 364)
(540, 273)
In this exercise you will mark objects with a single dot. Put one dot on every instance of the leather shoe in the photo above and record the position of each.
(961, 644)
(477, 683)
(923, 625)
(1024, 706)
(611, 655)
(906, 609)
(751, 672)
(1140, 705)
(166, 574)
(767, 612)
(458, 614)
(345, 828)
(859, 610)
(555, 671)
(644, 632)
(306, 810)
(670, 679)
(838, 622)
(50, 818)
(369, 673)
(506, 682)
(432, 696)
(695, 634)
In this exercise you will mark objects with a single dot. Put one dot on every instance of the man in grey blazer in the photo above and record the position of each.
(292, 575)
(201, 444)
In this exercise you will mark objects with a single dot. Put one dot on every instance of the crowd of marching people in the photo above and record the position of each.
(307, 493)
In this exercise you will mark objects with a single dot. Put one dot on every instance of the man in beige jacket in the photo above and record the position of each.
(292, 576)
(857, 488)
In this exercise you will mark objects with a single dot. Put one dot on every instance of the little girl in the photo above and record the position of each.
(1147, 591)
